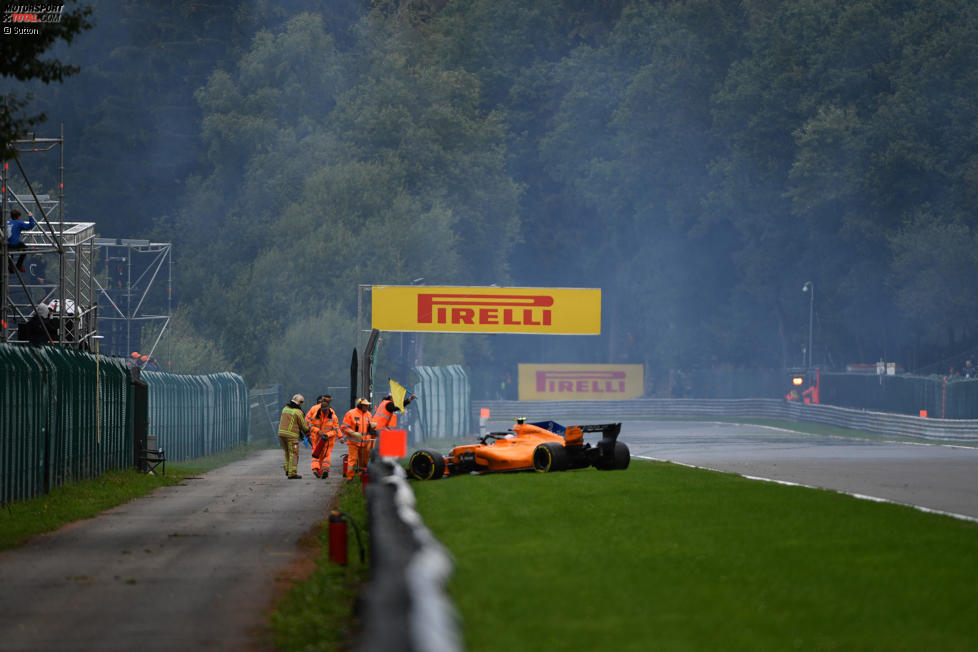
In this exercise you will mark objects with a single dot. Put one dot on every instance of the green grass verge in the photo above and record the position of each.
(21, 520)
(670, 558)
(319, 613)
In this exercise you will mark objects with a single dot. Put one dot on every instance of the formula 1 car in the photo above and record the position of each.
(543, 447)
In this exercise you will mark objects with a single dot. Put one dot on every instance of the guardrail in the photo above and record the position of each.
(406, 607)
(924, 429)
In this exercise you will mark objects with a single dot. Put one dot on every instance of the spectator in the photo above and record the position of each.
(969, 370)
(14, 243)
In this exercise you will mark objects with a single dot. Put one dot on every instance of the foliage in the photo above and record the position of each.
(698, 160)
(363, 172)
(21, 58)
(189, 352)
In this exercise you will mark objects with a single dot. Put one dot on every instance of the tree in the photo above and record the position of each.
(21, 59)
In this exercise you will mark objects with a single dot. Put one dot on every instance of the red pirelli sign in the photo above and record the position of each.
(450, 309)
(561, 382)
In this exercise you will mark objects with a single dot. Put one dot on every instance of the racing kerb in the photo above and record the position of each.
(406, 607)
(899, 425)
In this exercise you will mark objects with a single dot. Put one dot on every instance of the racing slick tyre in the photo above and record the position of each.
(426, 465)
(617, 461)
(550, 456)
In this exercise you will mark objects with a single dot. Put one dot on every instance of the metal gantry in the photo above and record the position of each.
(133, 312)
(61, 307)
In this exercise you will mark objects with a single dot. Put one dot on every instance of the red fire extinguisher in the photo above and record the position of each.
(345, 463)
(338, 537)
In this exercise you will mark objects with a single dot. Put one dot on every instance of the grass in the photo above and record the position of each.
(670, 558)
(19, 521)
(320, 612)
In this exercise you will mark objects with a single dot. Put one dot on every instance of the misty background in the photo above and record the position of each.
(697, 160)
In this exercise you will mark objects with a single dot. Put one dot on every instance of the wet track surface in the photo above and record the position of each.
(187, 567)
(933, 477)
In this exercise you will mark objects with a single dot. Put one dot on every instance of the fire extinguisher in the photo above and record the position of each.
(338, 537)
(346, 463)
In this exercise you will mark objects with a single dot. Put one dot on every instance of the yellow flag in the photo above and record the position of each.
(397, 394)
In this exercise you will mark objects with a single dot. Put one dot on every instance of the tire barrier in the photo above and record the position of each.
(405, 606)
(898, 425)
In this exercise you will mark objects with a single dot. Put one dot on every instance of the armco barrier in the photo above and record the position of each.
(64, 416)
(924, 429)
(193, 416)
(406, 608)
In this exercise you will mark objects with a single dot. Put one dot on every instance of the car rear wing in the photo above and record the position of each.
(574, 435)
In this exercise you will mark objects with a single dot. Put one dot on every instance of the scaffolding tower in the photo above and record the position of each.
(61, 308)
(134, 315)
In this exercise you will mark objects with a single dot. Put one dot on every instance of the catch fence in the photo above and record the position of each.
(66, 416)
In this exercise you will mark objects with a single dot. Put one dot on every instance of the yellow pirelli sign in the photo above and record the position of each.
(449, 309)
(561, 382)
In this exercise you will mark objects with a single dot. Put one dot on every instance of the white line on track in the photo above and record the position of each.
(849, 437)
(787, 483)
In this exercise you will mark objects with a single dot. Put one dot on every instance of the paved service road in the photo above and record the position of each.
(189, 567)
(941, 478)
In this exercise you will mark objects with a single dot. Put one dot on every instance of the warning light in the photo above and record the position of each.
(797, 381)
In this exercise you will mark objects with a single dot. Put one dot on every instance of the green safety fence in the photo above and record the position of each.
(443, 401)
(941, 397)
(67, 415)
(193, 416)
(64, 416)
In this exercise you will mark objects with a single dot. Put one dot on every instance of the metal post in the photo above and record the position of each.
(169, 304)
(3, 250)
(810, 288)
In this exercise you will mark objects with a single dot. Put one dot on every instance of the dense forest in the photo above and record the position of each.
(699, 161)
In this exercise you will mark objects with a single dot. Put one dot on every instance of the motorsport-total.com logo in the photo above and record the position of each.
(25, 18)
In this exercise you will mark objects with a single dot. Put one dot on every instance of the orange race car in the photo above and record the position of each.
(544, 447)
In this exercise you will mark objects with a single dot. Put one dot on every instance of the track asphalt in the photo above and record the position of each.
(189, 567)
(927, 476)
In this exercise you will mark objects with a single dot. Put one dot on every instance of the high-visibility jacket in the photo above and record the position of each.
(355, 426)
(292, 423)
(811, 394)
(323, 421)
(385, 416)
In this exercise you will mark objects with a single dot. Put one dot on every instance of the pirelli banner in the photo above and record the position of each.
(449, 309)
(562, 382)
